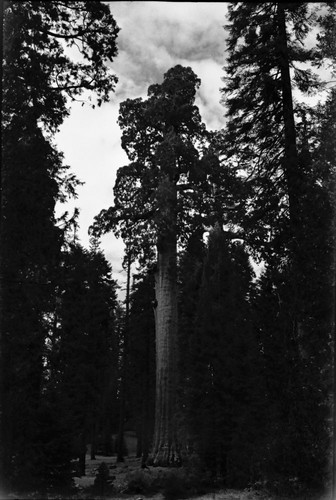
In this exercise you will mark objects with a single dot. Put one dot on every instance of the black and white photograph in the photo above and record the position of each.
(168, 250)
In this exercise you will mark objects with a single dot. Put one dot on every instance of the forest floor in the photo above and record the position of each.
(123, 471)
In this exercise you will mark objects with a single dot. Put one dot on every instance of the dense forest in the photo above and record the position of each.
(224, 377)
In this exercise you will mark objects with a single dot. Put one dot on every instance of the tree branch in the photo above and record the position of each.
(184, 187)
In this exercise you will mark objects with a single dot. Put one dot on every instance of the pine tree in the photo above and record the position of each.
(265, 41)
(82, 346)
(141, 365)
(37, 81)
(223, 383)
(30, 246)
(276, 146)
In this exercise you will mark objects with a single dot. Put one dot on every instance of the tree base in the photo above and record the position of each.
(166, 457)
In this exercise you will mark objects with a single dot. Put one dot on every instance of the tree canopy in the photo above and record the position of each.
(221, 372)
(165, 141)
(40, 40)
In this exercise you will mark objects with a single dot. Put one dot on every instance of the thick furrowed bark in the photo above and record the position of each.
(165, 448)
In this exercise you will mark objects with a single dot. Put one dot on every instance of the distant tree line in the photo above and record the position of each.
(207, 363)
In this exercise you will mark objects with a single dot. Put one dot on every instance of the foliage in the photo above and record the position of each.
(223, 384)
(83, 346)
(173, 483)
(39, 75)
(160, 197)
(102, 485)
(326, 46)
(275, 143)
(141, 360)
(265, 43)
(140, 482)
(166, 143)
(292, 373)
(30, 245)
(254, 368)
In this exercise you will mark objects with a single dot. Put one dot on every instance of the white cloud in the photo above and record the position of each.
(154, 37)
(157, 35)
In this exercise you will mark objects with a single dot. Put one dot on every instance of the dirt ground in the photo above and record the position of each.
(119, 470)
(122, 470)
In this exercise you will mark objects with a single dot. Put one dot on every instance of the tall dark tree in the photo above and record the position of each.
(223, 383)
(141, 361)
(38, 78)
(159, 197)
(30, 247)
(275, 146)
(82, 346)
(265, 41)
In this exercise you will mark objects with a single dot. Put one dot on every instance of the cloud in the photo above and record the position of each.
(154, 37)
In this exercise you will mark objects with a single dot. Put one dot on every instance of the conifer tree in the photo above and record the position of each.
(163, 193)
(276, 146)
(265, 41)
(223, 382)
(82, 346)
(141, 365)
(38, 78)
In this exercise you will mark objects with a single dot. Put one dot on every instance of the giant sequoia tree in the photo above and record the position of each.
(158, 197)
(38, 78)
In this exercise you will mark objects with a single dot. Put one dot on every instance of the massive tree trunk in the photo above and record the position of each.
(165, 446)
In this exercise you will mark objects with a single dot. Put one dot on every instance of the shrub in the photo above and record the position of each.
(175, 485)
(141, 481)
(103, 482)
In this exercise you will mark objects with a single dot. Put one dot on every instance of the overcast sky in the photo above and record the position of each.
(154, 37)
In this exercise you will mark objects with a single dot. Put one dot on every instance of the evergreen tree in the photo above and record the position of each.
(83, 346)
(190, 277)
(141, 365)
(297, 381)
(265, 41)
(30, 248)
(38, 78)
(276, 145)
(159, 197)
(224, 397)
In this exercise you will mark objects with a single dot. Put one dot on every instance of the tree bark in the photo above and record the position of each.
(291, 164)
(165, 447)
(82, 454)
(94, 435)
(333, 336)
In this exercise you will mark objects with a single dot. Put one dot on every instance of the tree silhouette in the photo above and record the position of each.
(163, 193)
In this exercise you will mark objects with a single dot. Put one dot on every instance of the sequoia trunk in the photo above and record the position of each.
(165, 446)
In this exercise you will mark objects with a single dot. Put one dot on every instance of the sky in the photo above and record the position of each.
(154, 37)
